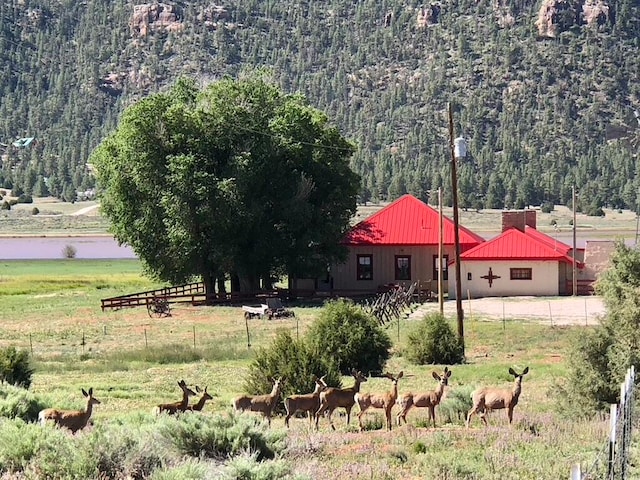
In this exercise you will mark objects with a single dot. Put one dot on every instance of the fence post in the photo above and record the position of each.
(576, 473)
(612, 441)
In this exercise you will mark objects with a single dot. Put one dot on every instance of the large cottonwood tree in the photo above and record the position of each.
(236, 180)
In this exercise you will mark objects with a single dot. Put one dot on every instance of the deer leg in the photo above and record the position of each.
(362, 410)
(432, 415)
(348, 409)
(319, 412)
(510, 414)
(471, 412)
(388, 412)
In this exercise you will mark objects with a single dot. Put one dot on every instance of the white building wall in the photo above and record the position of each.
(544, 281)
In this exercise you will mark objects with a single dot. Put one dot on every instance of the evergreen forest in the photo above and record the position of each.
(546, 92)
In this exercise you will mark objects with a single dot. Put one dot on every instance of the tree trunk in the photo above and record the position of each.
(221, 284)
(209, 288)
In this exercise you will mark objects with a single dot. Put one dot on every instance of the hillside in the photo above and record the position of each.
(545, 91)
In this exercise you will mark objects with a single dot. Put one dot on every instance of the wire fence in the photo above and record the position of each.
(613, 460)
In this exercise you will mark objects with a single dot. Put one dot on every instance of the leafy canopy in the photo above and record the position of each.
(237, 178)
(599, 358)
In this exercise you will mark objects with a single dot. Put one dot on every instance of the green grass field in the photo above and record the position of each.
(133, 362)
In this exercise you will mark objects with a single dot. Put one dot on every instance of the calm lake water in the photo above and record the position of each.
(50, 248)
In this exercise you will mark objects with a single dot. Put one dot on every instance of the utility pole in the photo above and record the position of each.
(456, 232)
(575, 268)
(440, 256)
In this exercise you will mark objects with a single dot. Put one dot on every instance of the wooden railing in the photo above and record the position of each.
(189, 293)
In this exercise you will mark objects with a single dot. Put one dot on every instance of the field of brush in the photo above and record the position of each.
(133, 362)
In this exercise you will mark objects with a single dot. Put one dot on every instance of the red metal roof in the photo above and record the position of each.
(552, 242)
(408, 221)
(513, 244)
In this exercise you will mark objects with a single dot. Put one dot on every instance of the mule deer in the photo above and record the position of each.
(197, 407)
(384, 400)
(487, 398)
(74, 420)
(308, 402)
(333, 398)
(429, 399)
(260, 403)
(181, 406)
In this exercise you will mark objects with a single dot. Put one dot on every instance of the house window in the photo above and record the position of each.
(403, 267)
(365, 267)
(445, 268)
(469, 276)
(521, 274)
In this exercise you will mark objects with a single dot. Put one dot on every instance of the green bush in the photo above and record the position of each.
(432, 341)
(599, 358)
(547, 207)
(5, 206)
(15, 367)
(16, 402)
(345, 334)
(294, 362)
(35, 211)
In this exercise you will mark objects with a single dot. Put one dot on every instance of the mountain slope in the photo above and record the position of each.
(545, 91)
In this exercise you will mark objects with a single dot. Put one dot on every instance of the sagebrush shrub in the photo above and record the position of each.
(345, 334)
(433, 341)
(15, 367)
(220, 437)
(16, 402)
(248, 467)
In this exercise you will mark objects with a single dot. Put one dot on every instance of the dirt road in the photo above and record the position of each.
(553, 310)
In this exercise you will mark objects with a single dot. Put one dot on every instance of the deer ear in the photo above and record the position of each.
(400, 374)
(447, 372)
(525, 371)
(435, 375)
(84, 393)
(512, 372)
(198, 389)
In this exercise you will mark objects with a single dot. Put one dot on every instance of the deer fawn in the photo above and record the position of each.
(309, 402)
(74, 420)
(384, 400)
(197, 407)
(429, 399)
(333, 398)
(260, 403)
(181, 406)
(487, 398)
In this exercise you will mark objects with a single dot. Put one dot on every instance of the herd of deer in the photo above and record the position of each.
(323, 401)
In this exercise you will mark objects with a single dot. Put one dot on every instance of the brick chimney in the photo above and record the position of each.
(518, 219)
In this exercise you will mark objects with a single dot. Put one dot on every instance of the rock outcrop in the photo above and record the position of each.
(155, 16)
(427, 16)
(557, 16)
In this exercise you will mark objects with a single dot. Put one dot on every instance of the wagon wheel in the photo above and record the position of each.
(158, 307)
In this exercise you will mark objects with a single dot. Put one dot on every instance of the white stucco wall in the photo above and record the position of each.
(544, 282)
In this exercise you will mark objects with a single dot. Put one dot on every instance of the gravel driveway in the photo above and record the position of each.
(584, 310)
